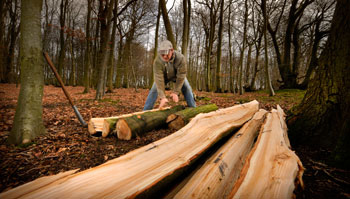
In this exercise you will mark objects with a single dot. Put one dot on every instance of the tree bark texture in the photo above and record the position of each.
(129, 127)
(28, 121)
(180, 119)
(322, 118)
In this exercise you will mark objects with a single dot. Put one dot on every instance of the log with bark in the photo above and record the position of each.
(129, 127)
(271, 168)
(96, 125)
(179, 119)
(109, 124)
(217, 176)
(145, 171)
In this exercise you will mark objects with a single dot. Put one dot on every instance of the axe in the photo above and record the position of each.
(77, 113)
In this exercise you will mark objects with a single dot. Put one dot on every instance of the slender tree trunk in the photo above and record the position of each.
(267, 73)
(323, 117)
(218, 61)
(28, 122)
(167, 24)
(110, 73)
(106, 16)
(232, 90)
(2, 40)
(62, 53)
(87, 66)
(186, 26)
(241, 91)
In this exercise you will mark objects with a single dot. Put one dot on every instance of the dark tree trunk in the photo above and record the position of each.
(323, 117)
(28, 121)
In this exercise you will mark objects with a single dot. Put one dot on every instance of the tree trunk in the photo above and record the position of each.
(186, 26)
(267, 73)
(144, 172)
(110, 73)
(28, 122)
(272, 167)
(322, 118)
(241, 89)
(180, 119)
(62, 53)
(216, 177)
(129, 127)
(106, 16)
(87, 66)
(167, 24)
(2, 40)
(218, 59)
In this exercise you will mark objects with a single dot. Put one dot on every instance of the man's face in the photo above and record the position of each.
(167, 57)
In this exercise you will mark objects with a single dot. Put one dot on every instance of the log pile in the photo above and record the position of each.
(240, 168)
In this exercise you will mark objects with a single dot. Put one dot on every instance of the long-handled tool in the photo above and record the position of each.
(64, 89)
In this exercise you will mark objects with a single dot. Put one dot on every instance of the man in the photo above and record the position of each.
(169, 65)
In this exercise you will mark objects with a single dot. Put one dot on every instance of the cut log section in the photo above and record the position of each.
(145, 171)
(180, 119)
(215, 178)
(271, 168)
(129, 127)
(96, 125)
(109, 124)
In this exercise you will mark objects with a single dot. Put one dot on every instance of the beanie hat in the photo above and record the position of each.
(164, 47)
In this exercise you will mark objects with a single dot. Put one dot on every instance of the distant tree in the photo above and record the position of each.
(267, 73)
(167, 24)
(28, 122)
(105, 18)
(218, 59)
(87, 66)
(323, 117)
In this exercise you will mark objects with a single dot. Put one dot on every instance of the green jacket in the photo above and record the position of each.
(174, 70)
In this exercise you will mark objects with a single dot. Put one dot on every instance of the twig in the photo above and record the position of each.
(337, 180)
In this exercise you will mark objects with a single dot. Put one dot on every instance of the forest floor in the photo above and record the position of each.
(67, 145)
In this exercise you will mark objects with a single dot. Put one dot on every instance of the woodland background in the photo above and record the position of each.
(224, 43)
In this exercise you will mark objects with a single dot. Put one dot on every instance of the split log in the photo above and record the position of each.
(271, 168)
(218, 174)
(129, 127)
(179, 119)
(146, 171)
(96, 125)
(109, 124)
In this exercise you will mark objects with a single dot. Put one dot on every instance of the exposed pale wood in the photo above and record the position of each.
(146, 170)
(129, 127)
(271, 168)
(35, 185)
(216, 177)
(180, 119)
(96, 125)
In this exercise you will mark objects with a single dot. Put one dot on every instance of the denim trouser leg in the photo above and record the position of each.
(151, 98)
(153, 94)
(187, 92)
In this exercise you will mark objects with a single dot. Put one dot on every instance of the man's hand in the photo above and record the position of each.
(175, 97)
(163, 101)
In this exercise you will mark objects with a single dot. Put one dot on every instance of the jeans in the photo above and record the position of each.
(186, 91)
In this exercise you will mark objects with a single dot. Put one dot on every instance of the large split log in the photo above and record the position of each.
(180, 119)
(144, 171)
(129, 127)
(96, 125)
(218, 174)
(271, 168)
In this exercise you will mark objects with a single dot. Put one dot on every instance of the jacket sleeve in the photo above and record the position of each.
(159, 78)
(180, 75)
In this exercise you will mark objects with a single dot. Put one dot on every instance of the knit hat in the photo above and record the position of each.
(164, 47)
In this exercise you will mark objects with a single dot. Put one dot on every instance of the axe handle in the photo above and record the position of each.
(77, 113)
